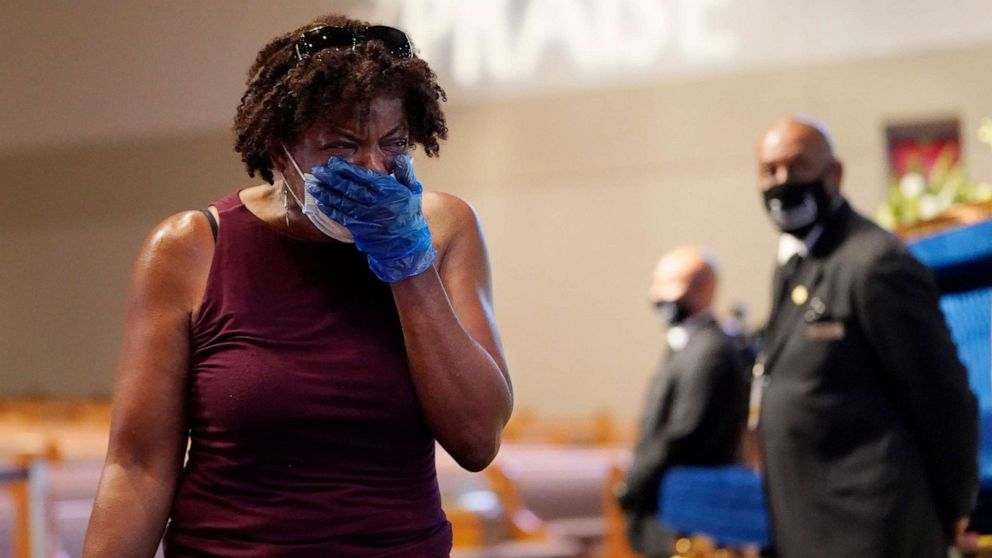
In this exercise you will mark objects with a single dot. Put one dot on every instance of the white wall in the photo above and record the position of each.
(579, 193)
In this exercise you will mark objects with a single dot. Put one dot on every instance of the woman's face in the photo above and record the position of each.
(373, 144)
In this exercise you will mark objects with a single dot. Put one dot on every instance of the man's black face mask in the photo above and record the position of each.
(672, 312)
(796, 207)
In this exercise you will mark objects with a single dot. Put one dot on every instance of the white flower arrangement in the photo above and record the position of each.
(914, 197)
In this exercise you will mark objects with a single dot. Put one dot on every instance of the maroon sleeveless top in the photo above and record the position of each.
(307, 439)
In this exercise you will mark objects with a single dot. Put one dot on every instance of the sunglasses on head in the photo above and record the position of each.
(332, 36)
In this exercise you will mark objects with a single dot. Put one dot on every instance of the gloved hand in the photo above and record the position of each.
(381, 211)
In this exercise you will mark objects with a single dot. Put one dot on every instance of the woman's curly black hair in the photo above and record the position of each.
(286, 95)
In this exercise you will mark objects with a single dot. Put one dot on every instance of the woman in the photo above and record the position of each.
(311, 375)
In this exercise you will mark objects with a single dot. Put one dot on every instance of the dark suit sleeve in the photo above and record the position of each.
(906, 328)
(640, 486)
(698, 404)
(709, 401)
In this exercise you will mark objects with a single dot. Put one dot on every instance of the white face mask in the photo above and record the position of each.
(308, 206)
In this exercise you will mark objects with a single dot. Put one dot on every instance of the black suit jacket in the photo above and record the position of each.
(694, 415)
(868, 426)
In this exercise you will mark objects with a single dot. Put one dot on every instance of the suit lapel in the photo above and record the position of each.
(783, 275)
(661, 386)
(790, 313)
(787, 314)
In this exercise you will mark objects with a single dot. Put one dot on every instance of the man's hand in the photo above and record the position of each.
(961, 538)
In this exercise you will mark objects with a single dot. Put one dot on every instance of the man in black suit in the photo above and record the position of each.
(867, 423)
(696, 405)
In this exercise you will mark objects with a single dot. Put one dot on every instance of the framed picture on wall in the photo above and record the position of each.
(929, 188)
(923, 147)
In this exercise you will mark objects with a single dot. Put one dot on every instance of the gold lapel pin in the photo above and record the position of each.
(799, 295)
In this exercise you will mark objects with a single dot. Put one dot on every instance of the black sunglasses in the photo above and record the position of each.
(332, 36)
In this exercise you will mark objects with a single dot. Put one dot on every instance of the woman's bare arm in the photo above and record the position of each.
(148, 433)
(453, 347)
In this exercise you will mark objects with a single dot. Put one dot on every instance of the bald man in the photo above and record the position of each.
(696, 405)
(867, 423)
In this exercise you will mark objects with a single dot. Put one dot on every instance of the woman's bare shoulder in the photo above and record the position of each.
(175, 258)
(448, 214)
(181, 235)
(455, 229)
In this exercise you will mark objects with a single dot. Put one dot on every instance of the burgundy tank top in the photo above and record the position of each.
(307, 439)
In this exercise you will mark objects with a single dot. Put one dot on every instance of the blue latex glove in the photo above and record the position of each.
(381, 211)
